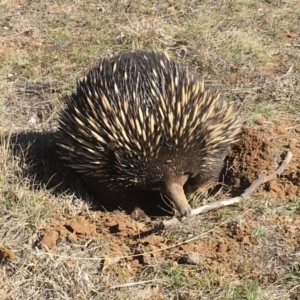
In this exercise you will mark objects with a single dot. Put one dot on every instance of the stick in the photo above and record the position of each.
(247, 193)
(129, 284)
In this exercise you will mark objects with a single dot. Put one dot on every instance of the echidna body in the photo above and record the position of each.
(142, 121)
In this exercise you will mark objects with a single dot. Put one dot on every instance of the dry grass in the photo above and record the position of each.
(249, 49)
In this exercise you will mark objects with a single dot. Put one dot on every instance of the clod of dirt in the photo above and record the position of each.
(50, 239)
(76, 229)
(260, 120)
(6, 255)
(81, 228)
(123, 226)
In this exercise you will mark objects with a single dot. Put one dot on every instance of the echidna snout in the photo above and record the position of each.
(141, 121)
(175, 191)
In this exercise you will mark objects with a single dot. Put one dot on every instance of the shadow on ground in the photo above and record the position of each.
(40, 163)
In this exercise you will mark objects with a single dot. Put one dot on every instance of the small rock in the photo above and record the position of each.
(260, 120)
(182, 51)
(292, 144)
(192, 258)
(32, 120)
(139, 215)
(10, 76)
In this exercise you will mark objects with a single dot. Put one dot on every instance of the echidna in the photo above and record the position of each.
(140, 120)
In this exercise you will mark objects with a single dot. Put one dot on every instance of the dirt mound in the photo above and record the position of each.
(260, 151)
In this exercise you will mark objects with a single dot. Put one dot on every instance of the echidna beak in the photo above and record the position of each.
(174, 190)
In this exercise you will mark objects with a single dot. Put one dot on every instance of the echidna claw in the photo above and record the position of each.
(186, 211)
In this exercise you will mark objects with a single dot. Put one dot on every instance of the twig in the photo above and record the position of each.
(29, 91)
(129, 284)
(288, 72)
(247, 193)
(293, 127)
